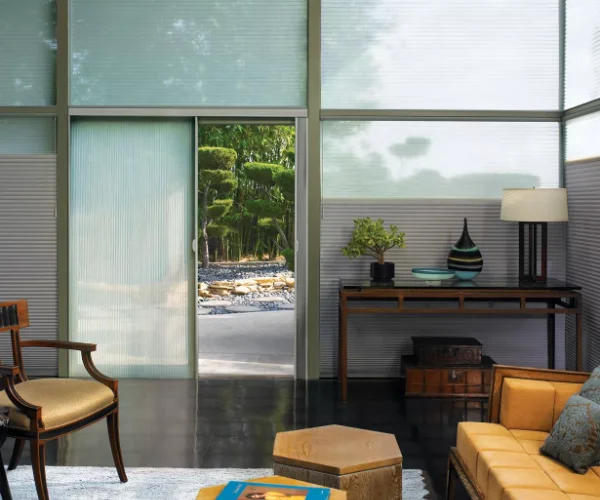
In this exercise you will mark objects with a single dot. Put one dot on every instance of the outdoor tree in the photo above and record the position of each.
(216, 183)
(274, 207)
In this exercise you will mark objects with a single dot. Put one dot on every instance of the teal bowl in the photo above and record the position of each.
(432, 273)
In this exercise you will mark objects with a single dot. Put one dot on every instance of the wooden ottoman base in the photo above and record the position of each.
(384, 483)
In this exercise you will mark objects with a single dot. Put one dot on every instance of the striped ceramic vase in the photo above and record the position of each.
(465, 258)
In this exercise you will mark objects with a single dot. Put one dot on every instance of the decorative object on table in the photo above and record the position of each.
(235, 490)
(366, 464)
(370, 237)
(533, 209)
(452, 381)
(574, 440)
(464, 258)
(432, 273)
(441, 351)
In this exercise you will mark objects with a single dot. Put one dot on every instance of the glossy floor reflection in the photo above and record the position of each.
(232, 423)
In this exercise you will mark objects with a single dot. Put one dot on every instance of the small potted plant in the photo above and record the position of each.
(370, 237)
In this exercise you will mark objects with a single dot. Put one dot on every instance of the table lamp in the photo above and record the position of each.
(533, 209)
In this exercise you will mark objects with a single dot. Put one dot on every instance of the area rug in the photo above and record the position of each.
(102, 483)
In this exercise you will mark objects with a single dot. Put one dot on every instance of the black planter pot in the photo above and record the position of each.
(382, 272)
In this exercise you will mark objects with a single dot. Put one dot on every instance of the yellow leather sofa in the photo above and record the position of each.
(500, 460)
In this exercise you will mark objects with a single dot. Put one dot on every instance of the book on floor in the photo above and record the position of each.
(242, 490)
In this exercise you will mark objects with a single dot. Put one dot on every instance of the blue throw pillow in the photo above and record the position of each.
(575, 438)
(591, 389)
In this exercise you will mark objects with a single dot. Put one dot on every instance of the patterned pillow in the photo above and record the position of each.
(575, 438)
(591, 389)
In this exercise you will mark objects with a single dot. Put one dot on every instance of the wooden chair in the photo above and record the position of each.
(45, 409)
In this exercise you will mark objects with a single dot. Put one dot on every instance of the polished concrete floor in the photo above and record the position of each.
(233, 422)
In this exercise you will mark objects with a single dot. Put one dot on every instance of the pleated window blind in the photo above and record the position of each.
(188, 52)
(28, 265)
(583, 137)
(441, 54)
(410, 159)
(27, 52)
(131, 228)
(582, 47)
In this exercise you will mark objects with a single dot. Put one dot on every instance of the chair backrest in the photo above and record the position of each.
(14, 316)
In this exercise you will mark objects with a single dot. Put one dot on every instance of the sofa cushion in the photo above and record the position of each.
(583, 497)
(575, 438)
(528, 435)
(489, 460)
(501, 479)
(519, 397)
(528, 494)
(591, 389)
(577, 484)
(563, 391)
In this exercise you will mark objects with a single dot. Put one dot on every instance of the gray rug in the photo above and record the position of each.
(102, 483)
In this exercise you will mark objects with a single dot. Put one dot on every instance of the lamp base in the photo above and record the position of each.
(528, 254)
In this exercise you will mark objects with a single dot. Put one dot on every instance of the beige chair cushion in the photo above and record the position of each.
(63, 401)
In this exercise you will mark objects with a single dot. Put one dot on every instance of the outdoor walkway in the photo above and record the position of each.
(248, 344)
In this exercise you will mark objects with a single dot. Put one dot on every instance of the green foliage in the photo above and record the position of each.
(285, 180)
(219, 208)
(211, 158)
(262, 173)
(218, 230)
(289, 255)
(216, 177)
(371, 238)
(265, 209)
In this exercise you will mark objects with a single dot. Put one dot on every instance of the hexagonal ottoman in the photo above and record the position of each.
(365, 464)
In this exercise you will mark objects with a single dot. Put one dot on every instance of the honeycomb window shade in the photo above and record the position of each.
(189, 53)
(441, 54)
(130, 229)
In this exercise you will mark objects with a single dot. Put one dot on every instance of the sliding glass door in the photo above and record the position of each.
(131, 258)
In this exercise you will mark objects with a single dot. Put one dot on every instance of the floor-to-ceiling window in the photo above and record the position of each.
(429, 110)
(582, 169)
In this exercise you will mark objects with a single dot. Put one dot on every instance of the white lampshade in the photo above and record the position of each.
(535, 205)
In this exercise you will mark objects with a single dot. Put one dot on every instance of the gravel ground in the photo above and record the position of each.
(230, 272)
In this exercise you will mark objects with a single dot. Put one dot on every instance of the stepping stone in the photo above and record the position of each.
(269, 299)
(287, 307)
(243, 309)
(202, 311)
(215, 303)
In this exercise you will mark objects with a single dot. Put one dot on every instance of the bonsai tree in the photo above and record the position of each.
(275, 208)
(216, 183)
(370, 237)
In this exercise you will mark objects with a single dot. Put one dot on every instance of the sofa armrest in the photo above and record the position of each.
(500, 373)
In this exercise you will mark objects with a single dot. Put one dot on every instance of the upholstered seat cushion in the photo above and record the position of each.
(63, 401)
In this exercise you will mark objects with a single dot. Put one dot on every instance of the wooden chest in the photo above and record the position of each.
(447, 381)
(441, 351)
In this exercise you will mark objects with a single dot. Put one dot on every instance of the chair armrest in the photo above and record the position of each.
(111, 383)
(33, 412)
(501, 372)
(59, 344)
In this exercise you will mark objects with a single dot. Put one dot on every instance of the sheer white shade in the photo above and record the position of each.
(535, 205)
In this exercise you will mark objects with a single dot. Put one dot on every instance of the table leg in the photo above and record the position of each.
(4, 487)
(343, 350)
(551, 327)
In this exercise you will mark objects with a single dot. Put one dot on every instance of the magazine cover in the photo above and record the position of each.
(241, 490)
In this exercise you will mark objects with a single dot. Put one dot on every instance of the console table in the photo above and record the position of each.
(459, 297)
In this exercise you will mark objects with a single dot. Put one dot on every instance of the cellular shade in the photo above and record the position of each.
(130, 233)
(27, 52)
(582, 52)
(440, 54)
(27, 135)
(583, 137)
(188, 52)
(411, 159)
(535, 205)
